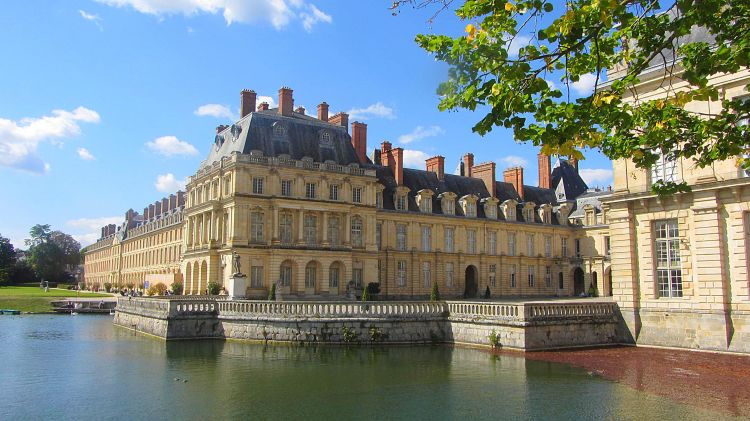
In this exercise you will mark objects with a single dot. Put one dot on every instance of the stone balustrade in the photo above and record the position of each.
(203, 306)
(530, 312)
(331, 310)
(148, 307)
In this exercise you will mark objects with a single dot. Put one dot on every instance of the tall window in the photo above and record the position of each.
(256, 227)
(532, 271)
(492, 243)
(493, 270)
(425, 204)
(333, 192)
(426, 274)
(334, 230)
(665, 169)
(286, 275)
(357, 277)
(256, 277)
(511, 244)
(668, 268)
(548, 276)
(490, 211)
(547, 246)
(471, 209)
(512, 275)
(310, 190)
(379, 235)
(357, 195)
(606, 245)
(333, 277)
(258, 185)
(564, 246)
(357, 232)
(426, 238)
(401, 273)
(379, 200)
(401, 202)
(449, 274)
(546, 217)
(286, 188)
(530, 245)
(528, 214)
(311, 274)
(449, 207)
(401, 237)
(285, 228)
(578, 247)
(311, 230)
(560, 281)
(449, 240)
(471, 241)
(510, 213)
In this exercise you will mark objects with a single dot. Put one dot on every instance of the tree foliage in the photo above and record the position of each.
(7, 260)
(52, 253)
(529, 90)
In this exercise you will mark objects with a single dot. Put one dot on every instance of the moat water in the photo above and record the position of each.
(83, 367)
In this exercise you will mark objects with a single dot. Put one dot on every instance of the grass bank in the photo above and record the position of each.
(35, 300)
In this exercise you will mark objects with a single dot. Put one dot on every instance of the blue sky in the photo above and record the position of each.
(109, 105)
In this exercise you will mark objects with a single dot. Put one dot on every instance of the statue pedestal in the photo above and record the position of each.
(237, 286)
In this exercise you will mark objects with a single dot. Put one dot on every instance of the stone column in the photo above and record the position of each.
(325, 229)
(347, 230)
(275, 225)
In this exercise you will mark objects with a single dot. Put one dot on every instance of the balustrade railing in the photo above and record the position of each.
(331, 309)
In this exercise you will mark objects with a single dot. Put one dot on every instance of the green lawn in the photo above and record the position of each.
(34, 299)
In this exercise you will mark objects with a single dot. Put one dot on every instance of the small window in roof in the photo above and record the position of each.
(278, 130)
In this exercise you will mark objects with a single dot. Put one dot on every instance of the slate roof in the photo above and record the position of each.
(592, 198)
(301, 136)
(572, 184)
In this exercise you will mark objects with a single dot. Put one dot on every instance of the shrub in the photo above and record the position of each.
(157, 289)
(373, 288)
(107, 286)
(434, 293)
(365, 295)
(213, 288)
(272, 292)
(177, 287)
(494, 339)
(349, 334)
(376, 334)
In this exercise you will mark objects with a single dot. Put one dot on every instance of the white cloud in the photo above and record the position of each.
(313, 16)
(585, 84)
(376, 110)
(596, 176)
(279, 13)
(514, 161)
(84, 154)
(87, 230)
(414, 158)
(516, 43)
(552, 85)
(420, 132)
(167, 183)
(269, 99)
(19, 139)
(170, 145)
(92, 18)
(214, 110)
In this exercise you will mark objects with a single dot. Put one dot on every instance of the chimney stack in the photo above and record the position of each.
(300, 110)
(263, 106)
(157, 207)
(545, 172)
(436, 164)
(323, 111)
(151, 211)
(393, 158)
(514, 176)
(359, 140)
(286, 102)
(172, 202)
(164, 205)
(145, 214)
(486, 172)
(103, 232)
(468, 163)
(247, 102)
(180, 198)
(340, 119)
(574, 162)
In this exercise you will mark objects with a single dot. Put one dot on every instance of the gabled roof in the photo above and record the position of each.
(572, 184)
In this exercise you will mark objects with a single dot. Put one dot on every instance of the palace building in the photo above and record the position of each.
(299, 200)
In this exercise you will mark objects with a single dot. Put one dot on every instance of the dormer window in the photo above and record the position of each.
(509, 210)
(562, 214)
(528, 212)
(401, 202)
(448, 203)
(545, 214)
(400, 199)
(490, 207)
(469, 205)
(379, 196)
(278, 130)
(424, 200)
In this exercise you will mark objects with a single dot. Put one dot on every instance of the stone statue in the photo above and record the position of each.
(236, 264)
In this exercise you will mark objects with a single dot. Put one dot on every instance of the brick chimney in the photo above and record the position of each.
(103, 233)
(157, 207)
(286, 102)
(164, 205)
(486, 173)
(340, 119)
(145, 214)
(247, 102)
(514, 176)
(545, 172)
(300, 110)
(393, 158)
(151, 211)
(359, 140)
(180, 198)
(263, 106)
(468, 163)
(172, 202)
(384, 148)
(574, 162)
(323, 111)
(436, 164)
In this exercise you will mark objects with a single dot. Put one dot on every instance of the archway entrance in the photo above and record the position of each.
(470, 284)
(578, 285)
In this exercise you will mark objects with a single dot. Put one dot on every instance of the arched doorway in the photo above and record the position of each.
(578, 285)
(470, 283)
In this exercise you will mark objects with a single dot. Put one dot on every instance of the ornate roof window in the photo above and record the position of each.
(545, 213)
(424, 200)
(469, 205)
(448, 203)
(490, 207)
(509, 210)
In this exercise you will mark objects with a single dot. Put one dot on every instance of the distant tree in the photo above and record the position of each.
(22, 272)
(70, 248)
(39, 234)
(7, 260)
(52, 253)
(48, 261)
